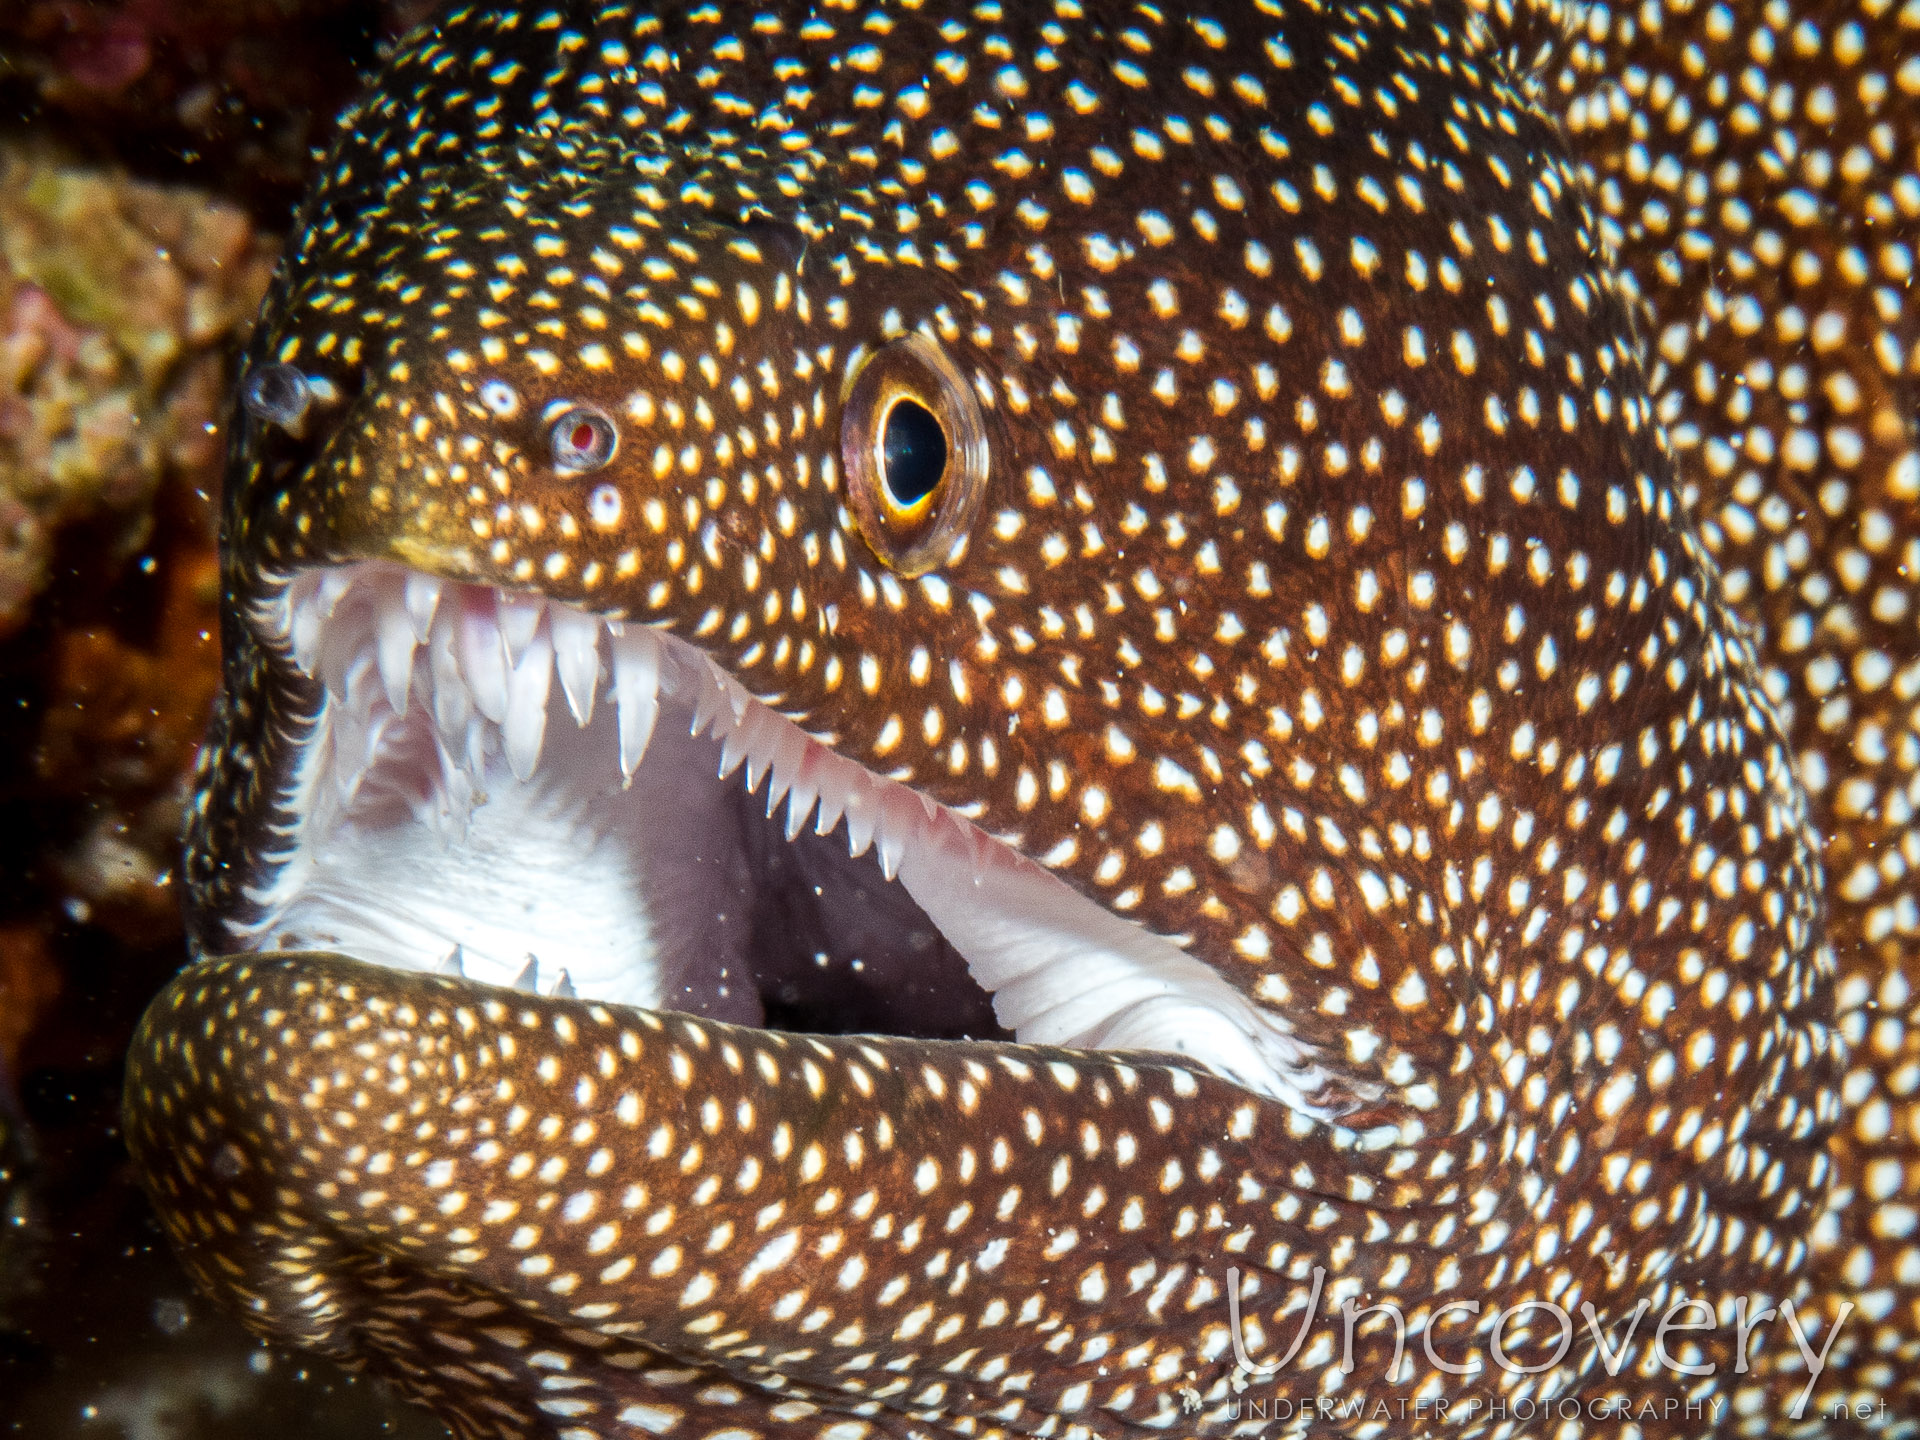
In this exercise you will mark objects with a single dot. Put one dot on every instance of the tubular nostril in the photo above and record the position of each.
(500, 398)
(604, 506)
(276, 394)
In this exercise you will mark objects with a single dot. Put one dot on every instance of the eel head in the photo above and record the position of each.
(1123, 554)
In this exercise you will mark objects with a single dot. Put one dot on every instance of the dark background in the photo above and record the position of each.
(151, 154)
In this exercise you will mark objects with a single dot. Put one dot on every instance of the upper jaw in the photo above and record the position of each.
(491, 776)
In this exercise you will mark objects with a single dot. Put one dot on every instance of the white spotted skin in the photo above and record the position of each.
(1785, 350)
(1397, 578)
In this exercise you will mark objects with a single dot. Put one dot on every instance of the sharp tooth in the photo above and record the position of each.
(456, 793)
(892, 845)
(526, 723)
(802, 792)
(799, 806)
(333, 585)
(636, 693)
(519, 618)
(529, 978)
(484, 663)
(833, 800)
(863, 813)
(452, 707)
(709, 705)
(276, 615)
(305, 627)
(422, 599)
(763, 733)
(891, 836)
(576, 651)
(729, 692)
(734, 749)
(455, 964)
(789, 749)
(563, 988)
(396, 656)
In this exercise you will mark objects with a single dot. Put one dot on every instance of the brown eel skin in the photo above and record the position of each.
(1355, 559)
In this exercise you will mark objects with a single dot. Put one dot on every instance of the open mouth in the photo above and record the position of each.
(526, 794)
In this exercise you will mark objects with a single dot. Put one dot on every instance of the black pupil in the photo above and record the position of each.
(913, 453)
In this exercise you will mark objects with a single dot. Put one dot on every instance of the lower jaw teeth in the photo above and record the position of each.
(528, 980)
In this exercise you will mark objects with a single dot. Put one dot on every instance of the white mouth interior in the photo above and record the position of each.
(454, 809)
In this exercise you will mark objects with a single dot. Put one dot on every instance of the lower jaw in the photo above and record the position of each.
(454, 810)
(535, 1213)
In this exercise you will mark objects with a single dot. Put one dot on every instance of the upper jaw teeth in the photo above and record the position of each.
(576, 655)
(636, 693)
(386, 640)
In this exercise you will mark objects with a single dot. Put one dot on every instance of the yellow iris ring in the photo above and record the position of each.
(912, 539)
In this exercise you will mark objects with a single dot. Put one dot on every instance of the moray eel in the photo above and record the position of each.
(1301, 609)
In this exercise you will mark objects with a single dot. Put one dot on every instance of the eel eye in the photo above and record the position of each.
(276, 394)
(915, 451)
(583, 439)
